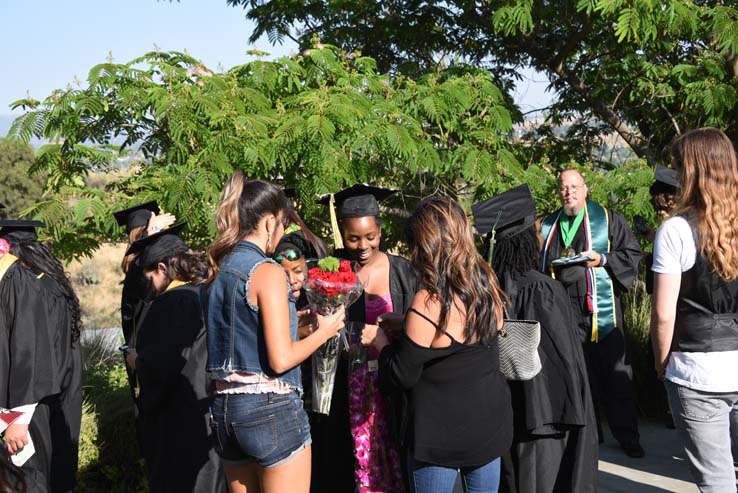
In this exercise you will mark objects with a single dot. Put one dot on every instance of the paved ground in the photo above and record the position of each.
(663, 470)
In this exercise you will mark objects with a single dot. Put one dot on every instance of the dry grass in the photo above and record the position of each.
(97, 282)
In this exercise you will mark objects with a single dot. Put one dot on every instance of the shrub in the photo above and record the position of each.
(109, 459)
(637, 314)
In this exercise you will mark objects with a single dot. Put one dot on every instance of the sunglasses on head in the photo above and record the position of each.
(290, 255)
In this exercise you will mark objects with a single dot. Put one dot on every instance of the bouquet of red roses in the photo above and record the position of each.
(331, 286)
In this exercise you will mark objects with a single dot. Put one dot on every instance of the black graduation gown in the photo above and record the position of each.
(65, 408)
(38, 363)
(133, 305)
(555, 434)
(610, 373)
(333, 446)
(174, 402)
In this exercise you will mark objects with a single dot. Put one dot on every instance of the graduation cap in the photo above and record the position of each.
(136, 216)
(505, 215)
(359, 200)
(666, 177)
(16, 230)
(159, 245)
(508, 213)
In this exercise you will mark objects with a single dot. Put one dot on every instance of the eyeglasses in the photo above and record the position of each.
(571, 188)
(290, 255)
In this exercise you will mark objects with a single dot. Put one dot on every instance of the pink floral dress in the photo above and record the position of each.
(378, 465)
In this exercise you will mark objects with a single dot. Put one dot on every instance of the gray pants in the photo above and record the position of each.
(703, 422)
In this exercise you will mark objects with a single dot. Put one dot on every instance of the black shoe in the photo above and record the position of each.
(633, 450)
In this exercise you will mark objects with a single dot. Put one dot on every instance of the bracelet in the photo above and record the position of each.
(603, 260)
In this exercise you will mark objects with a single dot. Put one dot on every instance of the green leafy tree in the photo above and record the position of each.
(646, 70)
(19, 190)
(316, 122)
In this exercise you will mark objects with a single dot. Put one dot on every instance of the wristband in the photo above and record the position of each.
(603, 260)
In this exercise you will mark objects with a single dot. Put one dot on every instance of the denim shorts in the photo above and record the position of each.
(264, 429)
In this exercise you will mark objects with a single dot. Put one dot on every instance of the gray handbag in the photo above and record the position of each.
(518, 341)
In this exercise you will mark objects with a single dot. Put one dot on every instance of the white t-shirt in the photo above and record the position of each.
(674, 252)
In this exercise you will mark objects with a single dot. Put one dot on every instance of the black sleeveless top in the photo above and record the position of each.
(460, 412)
(707, 311)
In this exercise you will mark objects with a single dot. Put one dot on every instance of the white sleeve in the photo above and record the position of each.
(674, 250)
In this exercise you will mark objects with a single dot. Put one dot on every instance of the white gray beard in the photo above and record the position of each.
(572, 211)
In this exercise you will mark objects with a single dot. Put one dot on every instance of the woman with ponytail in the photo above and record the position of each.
(447, 360)
(254, 353)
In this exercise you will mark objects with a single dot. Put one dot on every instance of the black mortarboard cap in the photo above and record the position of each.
(359, 200)
(508, 213)
(15, 230)
(159, 245)
(665, 176)
(136, 216)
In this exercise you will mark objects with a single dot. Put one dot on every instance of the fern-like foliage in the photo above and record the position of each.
(316, 122)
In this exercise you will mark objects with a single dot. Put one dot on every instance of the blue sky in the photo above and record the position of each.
(46, 44)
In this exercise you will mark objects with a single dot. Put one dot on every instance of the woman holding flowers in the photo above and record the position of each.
(390, 285)
(254, 353)
(360, 425)
(447, 360)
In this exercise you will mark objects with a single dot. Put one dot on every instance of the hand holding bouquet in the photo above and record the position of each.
(331, 286)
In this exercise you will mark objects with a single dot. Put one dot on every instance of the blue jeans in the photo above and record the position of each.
(703, 422)
(266, 429)
(429, 478)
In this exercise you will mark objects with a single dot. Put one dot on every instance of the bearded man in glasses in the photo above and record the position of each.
(593, 252)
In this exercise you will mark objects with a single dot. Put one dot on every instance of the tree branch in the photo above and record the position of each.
(672, 119)
(631, 136)
(571, 44)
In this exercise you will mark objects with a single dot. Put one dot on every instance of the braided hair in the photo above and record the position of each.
(517, 254)
(39, 258)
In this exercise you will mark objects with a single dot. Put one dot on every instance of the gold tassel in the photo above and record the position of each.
(337, 238)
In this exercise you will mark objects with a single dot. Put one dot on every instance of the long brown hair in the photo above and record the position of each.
(707, 166)
(242, 205)
(442, 250)
(135, 234)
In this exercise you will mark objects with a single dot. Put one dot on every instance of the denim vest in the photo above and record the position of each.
(234, 327)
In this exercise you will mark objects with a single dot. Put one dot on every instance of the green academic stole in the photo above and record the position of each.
(5, 262)
(600, 292)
